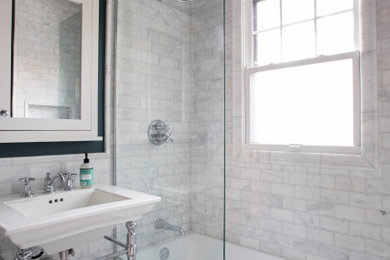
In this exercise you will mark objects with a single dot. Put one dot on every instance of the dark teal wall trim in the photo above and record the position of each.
(12, 59)
(102, 65)
(54, 148)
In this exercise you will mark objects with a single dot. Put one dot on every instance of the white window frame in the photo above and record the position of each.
(250, 69)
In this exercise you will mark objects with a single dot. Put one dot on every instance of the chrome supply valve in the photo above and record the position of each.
(50, 182)
(159, 132)
(69, 181)
(27, 187)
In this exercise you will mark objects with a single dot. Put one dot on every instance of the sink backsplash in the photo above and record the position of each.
(11, 169)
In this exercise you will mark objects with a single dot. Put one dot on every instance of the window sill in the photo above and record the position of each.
(248, 153)
(305, 149)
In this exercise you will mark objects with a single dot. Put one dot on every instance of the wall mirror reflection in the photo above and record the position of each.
(47, 59)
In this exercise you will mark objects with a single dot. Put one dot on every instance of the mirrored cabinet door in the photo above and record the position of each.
(47, 59)
(52, 78)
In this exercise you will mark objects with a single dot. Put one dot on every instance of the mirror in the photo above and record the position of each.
(51, 71)
(47, 59)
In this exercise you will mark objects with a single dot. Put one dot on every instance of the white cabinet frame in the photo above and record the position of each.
(16, 130)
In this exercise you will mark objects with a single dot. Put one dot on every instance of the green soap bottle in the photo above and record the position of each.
(86, 174)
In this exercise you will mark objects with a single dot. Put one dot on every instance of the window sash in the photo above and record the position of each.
(355, 56)
(250, 33)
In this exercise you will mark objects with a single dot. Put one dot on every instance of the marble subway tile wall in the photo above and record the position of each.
(153, 82)
(11, 169)
(312, 210)
(207, 118)
(170, 67)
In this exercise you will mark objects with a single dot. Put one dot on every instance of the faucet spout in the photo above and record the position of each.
(162, 224)
(49, 184)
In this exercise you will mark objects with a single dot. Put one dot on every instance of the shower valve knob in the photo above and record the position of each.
(159, 132)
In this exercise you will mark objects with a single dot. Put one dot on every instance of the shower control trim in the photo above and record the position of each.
(159, 132)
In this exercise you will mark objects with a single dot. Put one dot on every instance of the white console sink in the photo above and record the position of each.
(63, 220)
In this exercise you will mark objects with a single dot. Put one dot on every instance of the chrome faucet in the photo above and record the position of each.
(162, 224)
(27, 187)
(69, 181)
(50, 182)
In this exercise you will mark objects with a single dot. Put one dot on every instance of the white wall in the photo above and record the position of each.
(305, 208)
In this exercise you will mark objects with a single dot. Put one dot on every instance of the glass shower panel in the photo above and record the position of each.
(170, 67)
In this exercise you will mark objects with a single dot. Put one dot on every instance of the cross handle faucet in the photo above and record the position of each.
(69, 181)
(27, 187)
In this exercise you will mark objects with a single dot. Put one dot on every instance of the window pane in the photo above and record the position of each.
(335, 34)
(298, 41)
(298, 10)
(325, 7)
(266, 14)
(267, 47)
(308, 105)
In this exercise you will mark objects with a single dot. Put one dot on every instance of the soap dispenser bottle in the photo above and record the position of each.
(86, 174)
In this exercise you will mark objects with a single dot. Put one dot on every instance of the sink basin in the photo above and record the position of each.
(62, 220)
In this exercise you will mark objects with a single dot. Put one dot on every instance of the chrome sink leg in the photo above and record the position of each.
(131, 240)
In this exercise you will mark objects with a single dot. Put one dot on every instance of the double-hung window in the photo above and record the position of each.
(302, 75)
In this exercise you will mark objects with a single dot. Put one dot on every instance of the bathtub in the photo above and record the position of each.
(199, 247)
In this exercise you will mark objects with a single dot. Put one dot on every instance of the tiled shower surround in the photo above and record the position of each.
(306, 207)
(170, 67)
(153, 82)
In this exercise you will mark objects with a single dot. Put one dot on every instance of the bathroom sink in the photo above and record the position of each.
(62, 220)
